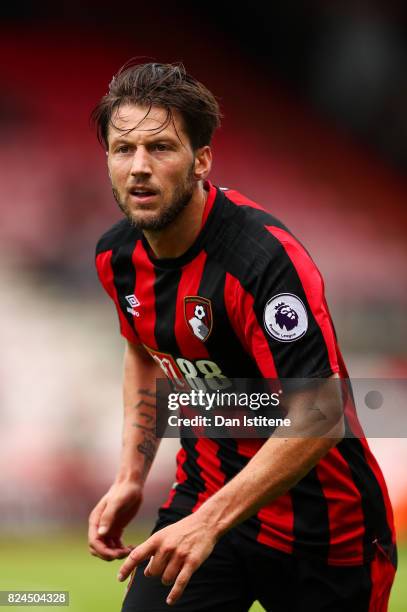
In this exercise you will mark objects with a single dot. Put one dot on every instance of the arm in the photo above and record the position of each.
(121, 503)
(179, 549)
(284, 459)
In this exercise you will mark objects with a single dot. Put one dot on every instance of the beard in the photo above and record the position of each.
(169, 212)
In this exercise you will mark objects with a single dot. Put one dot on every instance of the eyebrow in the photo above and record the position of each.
(155, 138)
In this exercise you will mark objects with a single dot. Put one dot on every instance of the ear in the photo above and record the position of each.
(203, 163)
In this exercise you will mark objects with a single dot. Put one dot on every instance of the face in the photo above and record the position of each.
(153, 174)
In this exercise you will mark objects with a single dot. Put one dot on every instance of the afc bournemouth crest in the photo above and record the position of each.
(198, 315)
(285, 317)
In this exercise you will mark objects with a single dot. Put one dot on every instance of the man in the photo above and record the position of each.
(299, 522)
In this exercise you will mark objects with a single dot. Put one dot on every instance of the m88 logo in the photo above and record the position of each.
(200, 374)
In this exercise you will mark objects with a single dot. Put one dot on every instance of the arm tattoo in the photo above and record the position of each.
(147, 392)
(143, 403)
(146, 421)
(148, 449)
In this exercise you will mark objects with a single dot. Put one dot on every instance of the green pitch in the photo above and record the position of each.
(61, 562)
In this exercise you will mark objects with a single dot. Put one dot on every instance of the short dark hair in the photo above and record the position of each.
(164, 85)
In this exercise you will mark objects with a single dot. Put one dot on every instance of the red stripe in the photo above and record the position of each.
(144, 292)
(190, 346)
(248, 447)
(210, 200)
(241, 200)
(210, 469)
(180, 476)
(381, 575)
(277, 518)
(277, 524)
(239, 306)
(372, 463)
(105, 272)
(313, 287)
(336, 479)
(346, 520)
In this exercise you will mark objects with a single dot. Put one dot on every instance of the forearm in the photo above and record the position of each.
(188, 542)
(140, 443)
(317, 424)
(278, 465)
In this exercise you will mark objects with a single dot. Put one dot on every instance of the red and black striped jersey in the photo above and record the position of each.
(204, 314)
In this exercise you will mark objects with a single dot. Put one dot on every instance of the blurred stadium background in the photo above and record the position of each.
(315, 102)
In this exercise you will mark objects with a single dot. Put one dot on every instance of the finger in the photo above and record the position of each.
(137, 555)
(147, 569)
(94, 523)
(107, 518)
(97, 510)
(118, 550)
(158, 563)
(117, 542)
(101, 550)
(180, 583)
(171, 571)
(119, 554)
(107, 549)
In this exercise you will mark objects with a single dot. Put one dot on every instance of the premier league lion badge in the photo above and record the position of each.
(198, 315)
(285, 317)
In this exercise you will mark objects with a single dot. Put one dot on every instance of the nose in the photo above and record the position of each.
(141, 164)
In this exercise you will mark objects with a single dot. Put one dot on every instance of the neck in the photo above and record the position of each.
(175, 239)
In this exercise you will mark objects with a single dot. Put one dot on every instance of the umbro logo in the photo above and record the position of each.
(134, 302)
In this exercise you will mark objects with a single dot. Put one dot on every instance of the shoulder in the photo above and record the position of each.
(251, 222)
(251, 210)
(252, 241)
(119, 234)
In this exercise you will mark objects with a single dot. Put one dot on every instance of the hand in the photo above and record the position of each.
(109, 518)
(175, 553)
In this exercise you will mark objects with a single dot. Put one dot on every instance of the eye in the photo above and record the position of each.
(122, 149)
(159, 146)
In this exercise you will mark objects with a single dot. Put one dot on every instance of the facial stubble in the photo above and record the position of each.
(181, 198)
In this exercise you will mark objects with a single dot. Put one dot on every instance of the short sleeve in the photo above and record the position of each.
(283, 315)
(106, 277)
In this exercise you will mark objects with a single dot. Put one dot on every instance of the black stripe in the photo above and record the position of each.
(120, 233)
(187, 492)
(165, 289)
(230, 461)
(124, 275)
(307, 356)
(311, 519)
(248, 251)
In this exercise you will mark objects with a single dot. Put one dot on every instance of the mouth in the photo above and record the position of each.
(142, 195)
